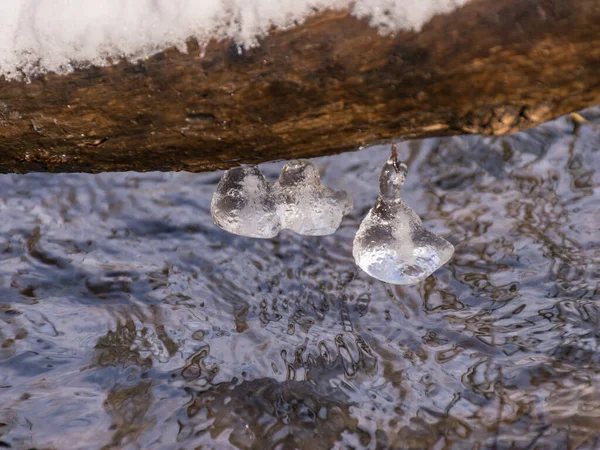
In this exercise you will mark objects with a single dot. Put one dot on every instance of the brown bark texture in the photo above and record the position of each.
(329, 85)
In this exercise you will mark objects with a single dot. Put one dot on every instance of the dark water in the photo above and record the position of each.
(128, 320)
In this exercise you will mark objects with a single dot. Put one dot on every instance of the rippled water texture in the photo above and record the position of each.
(128, 320)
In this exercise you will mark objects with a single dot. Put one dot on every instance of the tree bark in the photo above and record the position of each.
(330, 85)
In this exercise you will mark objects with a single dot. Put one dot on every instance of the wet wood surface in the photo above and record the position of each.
(330, 85)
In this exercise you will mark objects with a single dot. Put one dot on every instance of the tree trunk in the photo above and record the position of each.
(330, 85)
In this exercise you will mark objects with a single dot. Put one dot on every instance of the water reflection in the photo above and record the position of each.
(127, 320)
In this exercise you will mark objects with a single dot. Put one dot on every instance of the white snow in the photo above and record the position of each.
(51, 35)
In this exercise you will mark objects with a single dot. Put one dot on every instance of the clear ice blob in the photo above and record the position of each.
(244, 204)
(391, 243)
(305, 205)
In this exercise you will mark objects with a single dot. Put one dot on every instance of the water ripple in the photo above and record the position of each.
(128, 320)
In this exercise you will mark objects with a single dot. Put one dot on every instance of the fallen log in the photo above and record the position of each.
(329, 85)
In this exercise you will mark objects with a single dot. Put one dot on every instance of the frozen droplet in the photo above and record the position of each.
(244, 204)
(305, 205)
(391, 243)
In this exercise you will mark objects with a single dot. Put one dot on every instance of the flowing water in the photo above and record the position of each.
(129, 320)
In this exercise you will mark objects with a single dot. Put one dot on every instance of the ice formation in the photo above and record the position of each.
(391, 243)
(305, 205)
(244, 204)
(50, 35)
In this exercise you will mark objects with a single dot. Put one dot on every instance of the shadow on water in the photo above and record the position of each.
(128, 320)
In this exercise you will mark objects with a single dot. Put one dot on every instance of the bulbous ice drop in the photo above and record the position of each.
(392, 244)
(243, 204)
(305, 205)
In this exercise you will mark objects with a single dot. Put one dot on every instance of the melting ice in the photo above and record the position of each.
(245, 203)
(305, 205)
(391, 243)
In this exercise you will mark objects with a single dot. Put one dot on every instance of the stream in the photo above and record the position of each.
(129, 320)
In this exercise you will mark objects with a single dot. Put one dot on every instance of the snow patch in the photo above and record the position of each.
(38, 36)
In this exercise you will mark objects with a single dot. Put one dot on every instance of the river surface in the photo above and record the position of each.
(128, 320)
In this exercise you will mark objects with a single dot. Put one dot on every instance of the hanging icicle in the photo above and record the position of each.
(392, 244)
(245, 203)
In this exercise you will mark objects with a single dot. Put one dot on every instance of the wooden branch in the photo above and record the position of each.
(330, 85)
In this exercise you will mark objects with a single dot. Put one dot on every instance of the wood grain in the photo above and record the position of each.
(330, 85)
